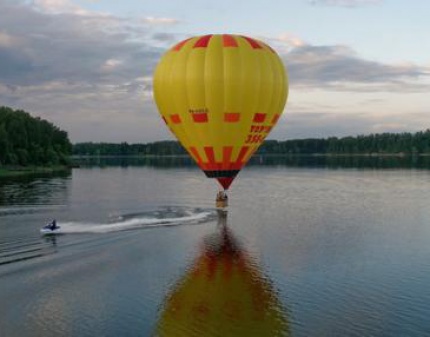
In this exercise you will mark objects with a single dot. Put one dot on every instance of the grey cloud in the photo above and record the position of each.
(334, 65)
(68, 47)
(13, 64)
(165, 37)
(294, 125)
(320, 125)
(93, 113)
(91, 75)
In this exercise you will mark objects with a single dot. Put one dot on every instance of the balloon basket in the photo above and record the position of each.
(221, 204)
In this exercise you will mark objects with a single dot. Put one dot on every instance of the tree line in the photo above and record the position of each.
(27, 140)
(383, 143)
(161, 148)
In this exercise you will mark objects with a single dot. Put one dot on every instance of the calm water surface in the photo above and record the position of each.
(302, 251)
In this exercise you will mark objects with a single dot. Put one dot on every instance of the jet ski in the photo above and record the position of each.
(49, 229)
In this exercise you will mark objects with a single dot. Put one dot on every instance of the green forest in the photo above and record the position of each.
(379, 144)
(31, 141)
(162, 148)
(382, 143)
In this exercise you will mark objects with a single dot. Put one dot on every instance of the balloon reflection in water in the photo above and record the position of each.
(223, 294)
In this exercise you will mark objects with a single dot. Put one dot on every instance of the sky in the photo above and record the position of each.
(354, 66)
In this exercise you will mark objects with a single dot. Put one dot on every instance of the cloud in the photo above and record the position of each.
(163, 37)
(345, 3)
(7, 40)
(340, 68)
(71, 48)
(71, 67)
(289, 40)
(295, 125)
(160, 21)
(59, 6)
(91, 74)
(111, 64)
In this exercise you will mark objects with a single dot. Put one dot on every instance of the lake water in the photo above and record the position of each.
(305, 249)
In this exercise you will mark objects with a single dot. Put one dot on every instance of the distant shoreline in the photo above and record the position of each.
(372, 154)
(78, 156)
(18, 171)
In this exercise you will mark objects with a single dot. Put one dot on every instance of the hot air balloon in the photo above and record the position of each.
(224, 293)
(220, 95)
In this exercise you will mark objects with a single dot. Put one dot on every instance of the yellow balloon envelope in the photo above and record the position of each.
(221, 95)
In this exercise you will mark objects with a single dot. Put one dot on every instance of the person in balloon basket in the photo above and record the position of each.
(222, 196)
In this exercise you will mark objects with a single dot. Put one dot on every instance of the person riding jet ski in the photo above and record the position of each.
(53, 225)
